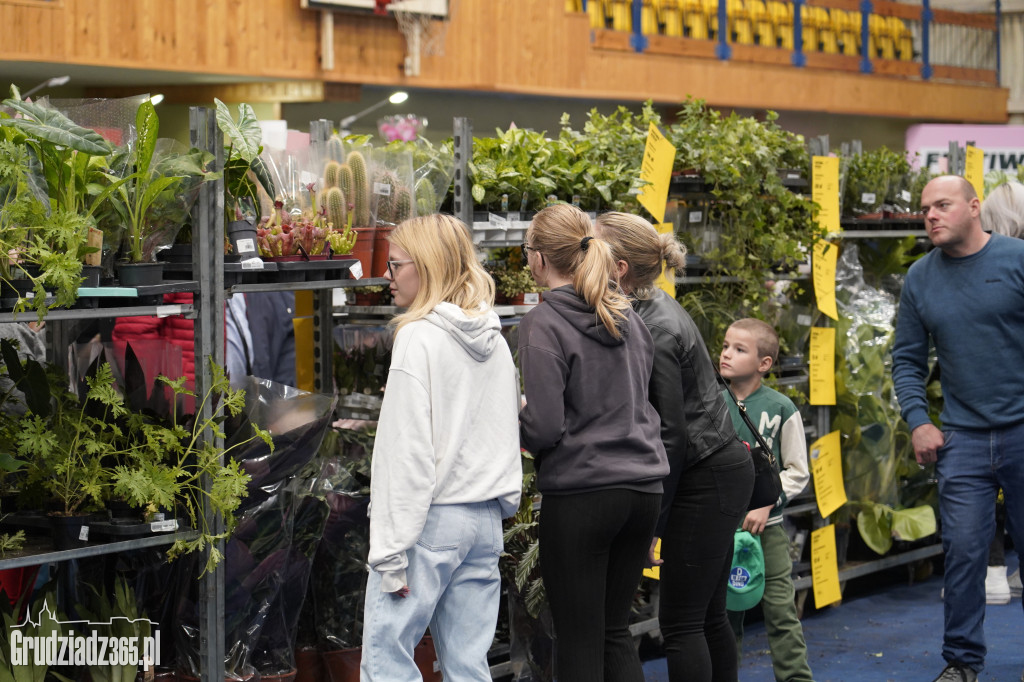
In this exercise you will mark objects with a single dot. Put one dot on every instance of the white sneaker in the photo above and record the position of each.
(997, 588)
(1014, 583)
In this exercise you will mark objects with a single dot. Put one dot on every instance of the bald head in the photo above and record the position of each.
(955, 182)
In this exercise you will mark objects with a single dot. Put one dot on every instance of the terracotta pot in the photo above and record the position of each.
(426, 660)
(342, 665)
(309, 666)
(283, 677)
(368, 299)
(363, 250)
(381, 246)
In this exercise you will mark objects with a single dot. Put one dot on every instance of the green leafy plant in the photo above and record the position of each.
(520, 565)
(153, 200)
(50, 624)
(118, 617)
(83, 451)
(244, 170)
(765, 229)
(871, 178)
(512, 281)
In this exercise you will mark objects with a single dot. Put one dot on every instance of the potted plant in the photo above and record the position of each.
(516, 284)
(244, 173)
(368, 295)
(153, 200)
(82, 451)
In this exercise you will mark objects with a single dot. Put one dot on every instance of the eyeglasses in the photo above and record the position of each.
(526, 248)
(393, 266)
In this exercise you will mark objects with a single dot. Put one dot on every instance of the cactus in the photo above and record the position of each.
(345, 179)
(403, 205)
(386, 199)
(426, 198)
(360, 195)
(335, 149)
(337, 208)
(332, 171)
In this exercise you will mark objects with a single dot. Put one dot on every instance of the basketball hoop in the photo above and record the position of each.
(424, 24)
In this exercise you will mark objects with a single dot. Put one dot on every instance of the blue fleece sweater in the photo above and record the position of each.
(972, 309)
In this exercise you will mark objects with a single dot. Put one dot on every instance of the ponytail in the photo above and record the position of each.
(565, 236)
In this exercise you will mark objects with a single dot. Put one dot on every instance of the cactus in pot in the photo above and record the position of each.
(360, 194)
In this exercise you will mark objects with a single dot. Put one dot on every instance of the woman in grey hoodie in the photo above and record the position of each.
(586, 360)
(446, 464)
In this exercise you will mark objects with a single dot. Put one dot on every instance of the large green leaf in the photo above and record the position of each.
(45, 123)
(914, 523)
(246, 135)
(875, 525)
(147, 128)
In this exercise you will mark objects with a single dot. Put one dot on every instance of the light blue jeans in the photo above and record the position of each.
(454, 587)
(972, 466)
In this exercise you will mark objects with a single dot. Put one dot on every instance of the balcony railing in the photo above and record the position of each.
(873, 36)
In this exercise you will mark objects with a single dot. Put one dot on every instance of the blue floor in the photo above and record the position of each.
(883, 631)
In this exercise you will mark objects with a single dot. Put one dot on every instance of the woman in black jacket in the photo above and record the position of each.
(711, 473)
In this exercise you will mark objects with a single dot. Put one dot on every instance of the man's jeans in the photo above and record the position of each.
(454, 587)
(972, 466)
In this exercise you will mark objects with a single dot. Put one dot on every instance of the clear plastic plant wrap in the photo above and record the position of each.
(882, 478)
(269, 557)
(391, 187)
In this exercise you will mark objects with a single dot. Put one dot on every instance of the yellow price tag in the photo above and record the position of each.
(823, 265)
(827, 469)
(974, 170)
(654, 572)
(656, 170)
(823, 366)
(825, 191)
(824, 567)
(667, 279)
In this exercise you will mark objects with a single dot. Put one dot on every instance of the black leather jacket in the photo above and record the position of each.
(684, 389)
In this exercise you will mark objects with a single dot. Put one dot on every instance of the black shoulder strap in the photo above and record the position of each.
(743, 415)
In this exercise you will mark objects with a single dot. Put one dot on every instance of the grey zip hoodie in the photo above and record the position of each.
(587, 418)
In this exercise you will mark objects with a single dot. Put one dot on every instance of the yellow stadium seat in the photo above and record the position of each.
(879, 27)
(573, 5)
(781, 14)
(764, 32)
(595, 10)
(846, 26)
(648, 18)
(670, 14)
(827, 40)
(902, 38)
(695, 20)
(711, 12)
(622, 15)
(741, 31)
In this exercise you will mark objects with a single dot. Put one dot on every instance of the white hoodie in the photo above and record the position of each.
(448, 431)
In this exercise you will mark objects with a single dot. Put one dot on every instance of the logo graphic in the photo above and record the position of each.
(739, 577)
(119, 641)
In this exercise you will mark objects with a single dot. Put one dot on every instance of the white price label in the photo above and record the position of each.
(252, 264)
(497, 222)
(696, 216)
(531, 299)
(382, 188)
(83, 534)
(168, 310)
(246, 246)
(867, 198)
(164, 526)
(803, 320)
(905, 195)
(356, 270)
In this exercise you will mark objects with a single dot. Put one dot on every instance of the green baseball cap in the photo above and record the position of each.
(746, 578)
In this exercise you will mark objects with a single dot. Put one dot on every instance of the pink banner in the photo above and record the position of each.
(1003, 144)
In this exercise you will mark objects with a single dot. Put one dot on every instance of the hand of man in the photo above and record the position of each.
(650, 554)
(927, 439)
(756, 519)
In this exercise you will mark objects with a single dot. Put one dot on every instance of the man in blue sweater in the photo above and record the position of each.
(967, 298)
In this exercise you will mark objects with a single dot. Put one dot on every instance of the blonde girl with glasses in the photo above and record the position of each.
(446, 465)
(586, 360)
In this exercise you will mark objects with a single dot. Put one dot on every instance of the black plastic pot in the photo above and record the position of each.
(91, 273)
(140, 274)
(68, 531)
(242, 234)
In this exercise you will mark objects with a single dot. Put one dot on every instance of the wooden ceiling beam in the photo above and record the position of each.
(274, 92)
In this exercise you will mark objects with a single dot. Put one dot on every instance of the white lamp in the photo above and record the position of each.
(48, 83)
(395, 98)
